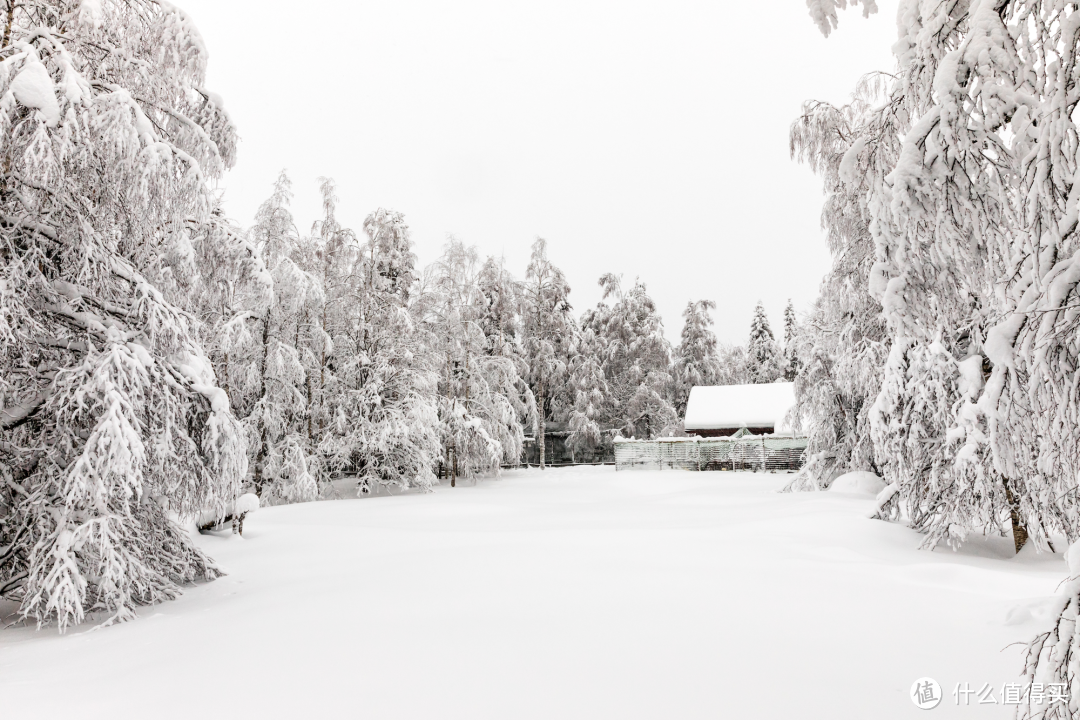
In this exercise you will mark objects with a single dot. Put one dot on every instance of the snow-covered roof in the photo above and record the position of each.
(726, 407)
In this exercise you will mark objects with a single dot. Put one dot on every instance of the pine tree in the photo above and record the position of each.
(111, 422)
(763, 356)
(697, 360)
(791, 349)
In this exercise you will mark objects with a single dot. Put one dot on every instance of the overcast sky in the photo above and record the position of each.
(641, 138)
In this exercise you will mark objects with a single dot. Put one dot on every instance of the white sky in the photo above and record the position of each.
(647, 139)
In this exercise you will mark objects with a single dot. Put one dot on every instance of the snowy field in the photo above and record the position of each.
(576, 593)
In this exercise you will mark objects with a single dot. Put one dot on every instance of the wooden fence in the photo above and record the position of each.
(760, 453)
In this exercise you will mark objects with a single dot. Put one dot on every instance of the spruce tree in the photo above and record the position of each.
(697, 360)
(763, 356)
(791, 348)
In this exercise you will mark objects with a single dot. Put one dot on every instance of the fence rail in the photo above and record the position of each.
(749, 452)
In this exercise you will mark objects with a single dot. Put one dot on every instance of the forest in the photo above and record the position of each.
(159, 360)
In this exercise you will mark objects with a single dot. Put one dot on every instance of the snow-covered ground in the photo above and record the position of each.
(575, 593)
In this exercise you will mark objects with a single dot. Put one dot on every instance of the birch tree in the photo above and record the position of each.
(975, 232)
(111, 422)
(480, 391)
(260, 356)
(843, 344)
(590, 393)
(636, 358)
(548, 325)
(382, 419)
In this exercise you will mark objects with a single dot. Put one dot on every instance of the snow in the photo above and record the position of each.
(859, 481)
(90, 12)
(33, 88)
(849, 163)
(197, 368)
(246, 503)
(884, 497)
(998, 345)
(1072, 556)
(572, 593)
(725, 407)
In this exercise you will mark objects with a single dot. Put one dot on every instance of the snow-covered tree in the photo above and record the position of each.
(975, 231)
(112, 425)
(382, 418)
(697, 359)
(590, 392)
(951, 283)
(499, 317)
(842, 346)
(732, 365)
(328, 255)
(482, 398)
(791, 350)
(636, 358)
(824, 13)
(764, 358)
(547, 330)
(259, 345)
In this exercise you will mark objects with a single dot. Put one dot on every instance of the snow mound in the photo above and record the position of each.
(1018, 615)
(860, 481)
(1072, 556)
(246, 503)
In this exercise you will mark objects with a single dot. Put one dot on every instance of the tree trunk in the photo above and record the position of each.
(8, 24)
(260, 457)
(322, 370)
(540, 439)
(225, 378)
(1019, 530)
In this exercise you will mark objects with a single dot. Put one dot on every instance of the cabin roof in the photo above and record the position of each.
(725, 407)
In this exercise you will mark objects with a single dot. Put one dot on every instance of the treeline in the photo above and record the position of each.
(340, 356)
(157, 360)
